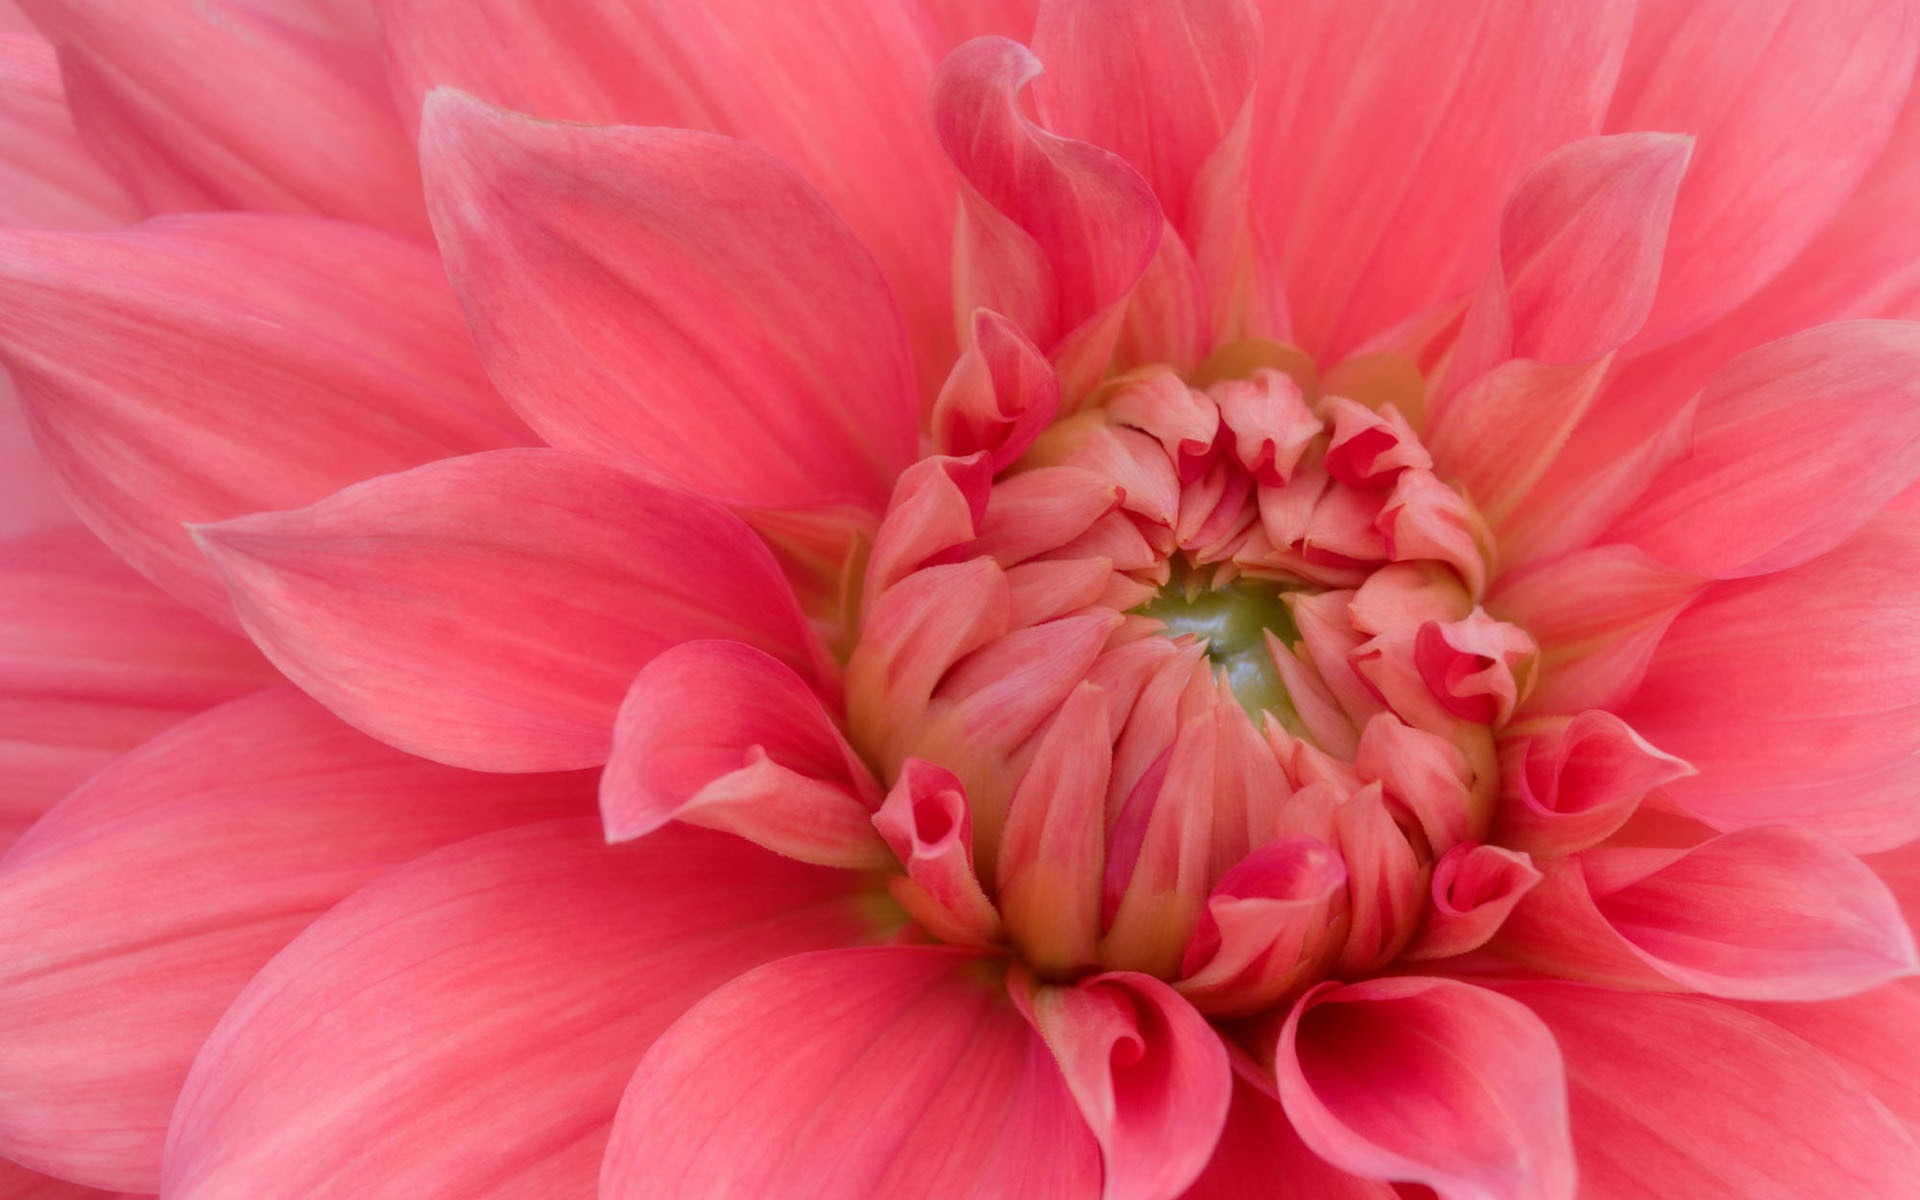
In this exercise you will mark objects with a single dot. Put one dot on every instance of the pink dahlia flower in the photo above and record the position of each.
(927, 598)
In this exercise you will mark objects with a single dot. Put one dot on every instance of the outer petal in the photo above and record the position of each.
(675, 298)
(138, 908)
(295, 118)
(1792, 101)
(1796, 445)
(466, 1024)
(1871, 1035)
(93, 661)
(1432, 1081)
(1388, 134)
(1798, 695)
(48, 179)
(1259, 1147)
(18, 1183)
(1676, 1096)
(835, 88)
(30, 501)
(489, 611)
(320, 354)
(882, 1072)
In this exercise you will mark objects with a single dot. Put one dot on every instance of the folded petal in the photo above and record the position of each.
(467, 1022)
(137, 909)
(489, 611)
(48, 178)
(878, 1072)
(835, 88)
(1680, 1096)
(295, 119)
(1797, 695)
(93, 661)
(1387, 136)
(1792, 101)
(321, 354)
(1429, 1081)
(611, 274)
(1795, 446)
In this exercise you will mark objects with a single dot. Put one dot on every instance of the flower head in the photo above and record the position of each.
(1173, 598)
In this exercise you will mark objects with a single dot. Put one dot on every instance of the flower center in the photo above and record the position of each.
(1233, 621)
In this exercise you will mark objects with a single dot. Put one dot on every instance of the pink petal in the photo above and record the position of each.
(467, 1022)
(927, 824)
(296, 120)
(1265, 927)
(93, 661)
(1053, 855)
(835, 88)
(18, 1183)
(1388, 135)
(1773, 913)
(30, 501)
(1569, 783)
(609, 274)
(1871, 1035)
(1431, 1081)
(881, 1072)
(489, 611)
(1797, 696)
(1792, 101)
(138, 908)
(1054, 232)
(1000, 395)
(1475, 887)
(323, 353)
(48, 179)
(1796, 445)
(1677, 1096)
(1259, 1146)
(1149, 1074)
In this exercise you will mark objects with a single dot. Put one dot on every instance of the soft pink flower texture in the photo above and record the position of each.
(940, 598)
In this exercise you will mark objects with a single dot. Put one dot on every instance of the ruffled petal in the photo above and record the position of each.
(139, 907)
(463, 1027)
(48, 179)
(611, 276)
(320, 354)
(296, 117)
(489, 611)
(880, 1072)
(93, 661)
(1431, 1081)
(1678, 1096)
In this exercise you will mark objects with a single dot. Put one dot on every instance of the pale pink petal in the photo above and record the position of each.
(1430, 1081)
(1388, 135)
(611, 274)
(139, 907)
(48, 179)
(93, 661)
(1052, 858)
(835, 88)
(1149, 1074)
(928, 825)
(295, 119)
(322, 353)
(1772, 913)
(1054, 232)
(1792, 101)
(725, 736)
(1259, 1147)
(881, 1072)
(490, 611)
(1797, 695)
(463, 1027)
(1795, 446)
(1678, 1096)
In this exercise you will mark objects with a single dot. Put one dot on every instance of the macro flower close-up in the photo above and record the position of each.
(979, 599)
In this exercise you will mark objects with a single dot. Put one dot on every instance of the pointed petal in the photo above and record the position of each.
(48, 179)
(1568, 783)
(489, 611)
(1150, 1075)
(295, 120)
(609, 274)
(1792, 101)
(1821, 737)
(1390, 134)
(879, 1072)
(139, 907)
(1431, 1081)
(498, 1082)
(322, 354)
(93, 661)
(1782, 1121)
(1796, 445)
